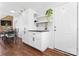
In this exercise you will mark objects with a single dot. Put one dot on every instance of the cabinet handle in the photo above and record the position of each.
(54, 29)
(33, 39)
(24, 32)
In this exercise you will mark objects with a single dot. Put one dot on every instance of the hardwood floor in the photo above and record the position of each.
(21, 49)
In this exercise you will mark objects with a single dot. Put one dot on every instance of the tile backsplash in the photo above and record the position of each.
(41, 27)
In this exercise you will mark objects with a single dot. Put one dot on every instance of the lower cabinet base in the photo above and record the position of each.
(32, 47)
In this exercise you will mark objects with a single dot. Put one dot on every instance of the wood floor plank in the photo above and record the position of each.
(25, 50)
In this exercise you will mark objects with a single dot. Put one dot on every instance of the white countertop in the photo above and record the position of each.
(38, 30)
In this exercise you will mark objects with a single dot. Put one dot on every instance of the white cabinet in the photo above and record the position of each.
(28, 19)
(24, 20)
(45, 40)
(26, 37)
(38, 40)
(18, 25)
(41, 41)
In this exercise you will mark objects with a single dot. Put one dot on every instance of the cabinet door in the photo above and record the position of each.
(23, 38)
(28, 19)
(45, 40)
(37, 40)
(26, 38)
(25, 19)
(66, 28)
(30, 38)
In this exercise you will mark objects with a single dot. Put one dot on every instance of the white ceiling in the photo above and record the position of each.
(6, 7)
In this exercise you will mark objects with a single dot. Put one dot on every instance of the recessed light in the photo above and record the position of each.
(13, 11)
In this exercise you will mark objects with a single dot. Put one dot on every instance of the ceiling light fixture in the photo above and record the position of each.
(13, 11)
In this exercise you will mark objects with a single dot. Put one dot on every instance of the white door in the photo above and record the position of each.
(78, 29)
(66, 28)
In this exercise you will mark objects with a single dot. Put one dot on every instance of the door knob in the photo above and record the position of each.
(54, 26)
(54, 29)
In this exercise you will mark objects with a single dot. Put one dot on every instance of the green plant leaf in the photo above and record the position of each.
(49, 12)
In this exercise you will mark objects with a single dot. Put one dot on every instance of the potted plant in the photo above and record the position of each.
(49, 12)
(48, 15)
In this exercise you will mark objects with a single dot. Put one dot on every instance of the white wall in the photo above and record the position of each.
(39, 7)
